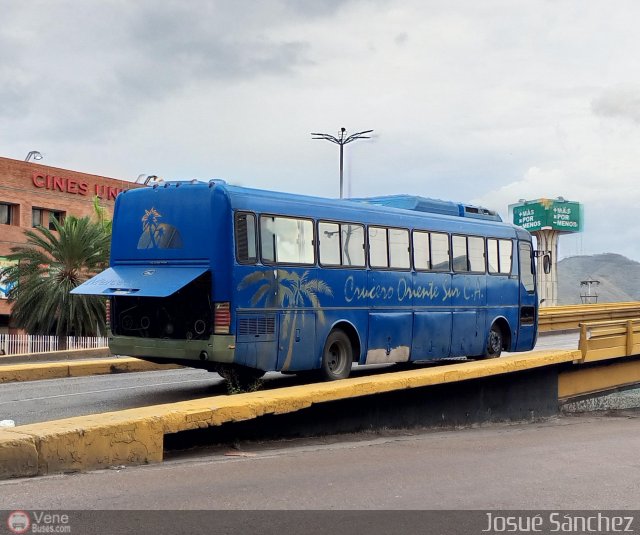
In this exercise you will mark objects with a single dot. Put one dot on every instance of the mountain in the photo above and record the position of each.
(618, 275)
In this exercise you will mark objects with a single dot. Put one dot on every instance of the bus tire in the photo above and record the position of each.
(337, 356)
(495, 342)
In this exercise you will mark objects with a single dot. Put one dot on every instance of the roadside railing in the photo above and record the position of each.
(569, 317)
(611, 317)
(603, 340)
(13, 344)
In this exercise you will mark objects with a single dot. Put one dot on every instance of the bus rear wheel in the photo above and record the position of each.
(494, 343)
(337, 356)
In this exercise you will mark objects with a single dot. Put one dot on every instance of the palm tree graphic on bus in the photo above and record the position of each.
(156, 235)
(287, 289)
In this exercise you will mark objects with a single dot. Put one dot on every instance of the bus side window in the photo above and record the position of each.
(245, 231)
(341, 244)
(526, 267)
(352, 245)
(329, 237)
(285, 240)
(506, 256)
(399, 248)
(268, 239)
(460, 257)
(421, 251)
(476, 254)
(378, 257)
(493, 256)
(440, 251)
(500, 256)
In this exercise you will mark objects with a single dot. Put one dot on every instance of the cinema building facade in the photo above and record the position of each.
(32, 194)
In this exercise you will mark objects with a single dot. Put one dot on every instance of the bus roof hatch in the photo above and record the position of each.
(434, 206)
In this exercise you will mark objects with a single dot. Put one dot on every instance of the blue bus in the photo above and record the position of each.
(244, 281)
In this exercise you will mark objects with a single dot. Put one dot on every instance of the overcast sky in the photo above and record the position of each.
(485, 102)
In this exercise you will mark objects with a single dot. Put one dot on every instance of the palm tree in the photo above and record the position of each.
(270, 290)
(101, 214)
(301, 289)
(290, 290)
(48, 267)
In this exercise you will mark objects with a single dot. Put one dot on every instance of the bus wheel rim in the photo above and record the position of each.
(337, 358)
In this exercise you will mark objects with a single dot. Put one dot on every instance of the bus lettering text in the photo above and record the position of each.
(420, 292)
(351, 291)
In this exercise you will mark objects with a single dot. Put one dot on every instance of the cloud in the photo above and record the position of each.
(622, 102)
(91, 72)
(488, 101)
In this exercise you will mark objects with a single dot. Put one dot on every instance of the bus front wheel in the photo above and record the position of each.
(337, 356)
(494, 343)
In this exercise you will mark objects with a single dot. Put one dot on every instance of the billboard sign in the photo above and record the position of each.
(548, 214)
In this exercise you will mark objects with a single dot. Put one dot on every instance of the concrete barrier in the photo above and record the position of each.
(57, 370)
(18, 454)
(136, 436)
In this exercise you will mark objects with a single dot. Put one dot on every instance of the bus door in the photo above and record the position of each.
(432, 316)
(390, 325)
(528, 298)
(468, 296)
(389, 290)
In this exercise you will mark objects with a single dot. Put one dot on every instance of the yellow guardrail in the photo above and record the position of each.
(603, 340)
(570, 317)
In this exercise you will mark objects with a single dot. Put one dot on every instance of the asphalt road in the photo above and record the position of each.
(39, 401)
(564, 463)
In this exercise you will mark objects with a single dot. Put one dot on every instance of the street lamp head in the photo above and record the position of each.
(342, 141)
(33, 154)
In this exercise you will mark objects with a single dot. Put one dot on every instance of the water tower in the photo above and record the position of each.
(547, 219)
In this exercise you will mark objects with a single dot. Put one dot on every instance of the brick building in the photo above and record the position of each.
(32, 194)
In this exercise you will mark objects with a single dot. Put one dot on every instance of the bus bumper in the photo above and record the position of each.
(217, 349)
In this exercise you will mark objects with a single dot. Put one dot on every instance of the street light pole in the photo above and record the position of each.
(33, 154)
(342, 141)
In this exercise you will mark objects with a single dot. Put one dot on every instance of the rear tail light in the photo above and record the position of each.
(221, 318)
(108, 313)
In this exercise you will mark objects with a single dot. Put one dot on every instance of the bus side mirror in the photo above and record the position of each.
(546, 263)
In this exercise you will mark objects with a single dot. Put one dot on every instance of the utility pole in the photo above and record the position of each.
(342, 141)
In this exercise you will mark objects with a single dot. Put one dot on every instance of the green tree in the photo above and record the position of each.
(48, 267)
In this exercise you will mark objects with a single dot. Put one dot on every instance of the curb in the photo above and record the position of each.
(55, 356)
(136, 436)
(56, 370)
